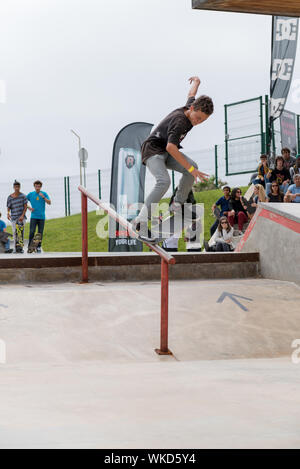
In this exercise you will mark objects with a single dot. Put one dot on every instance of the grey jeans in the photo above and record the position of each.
(158, 166)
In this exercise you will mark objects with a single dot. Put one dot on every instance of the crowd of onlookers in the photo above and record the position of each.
(17, 206)
(280, 184)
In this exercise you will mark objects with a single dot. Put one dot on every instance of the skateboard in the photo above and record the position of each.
(19, 237)
(35, 243)
(174, 224)
(217, 213)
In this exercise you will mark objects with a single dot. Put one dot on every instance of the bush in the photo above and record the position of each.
(208, 185)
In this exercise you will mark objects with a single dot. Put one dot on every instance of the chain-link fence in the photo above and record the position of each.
(65, 197)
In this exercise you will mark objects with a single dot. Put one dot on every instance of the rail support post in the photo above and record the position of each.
(84, 222)
(164, 311)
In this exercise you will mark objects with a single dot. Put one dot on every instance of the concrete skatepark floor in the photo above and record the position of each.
(81, 371)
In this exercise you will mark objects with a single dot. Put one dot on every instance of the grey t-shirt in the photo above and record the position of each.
(172, 129)
(16, 205)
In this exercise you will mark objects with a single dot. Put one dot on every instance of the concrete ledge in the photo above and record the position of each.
(51, 260)
(131, 273)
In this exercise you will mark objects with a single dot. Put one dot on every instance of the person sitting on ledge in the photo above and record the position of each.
(275, 195)
(223, 239)
(293, 192)
(238, 210)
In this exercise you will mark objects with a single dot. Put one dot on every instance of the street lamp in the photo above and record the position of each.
(83, 157)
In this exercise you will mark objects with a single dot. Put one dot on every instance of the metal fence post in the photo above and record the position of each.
(66, 201)
(298, 132)
(173, 181)
(84, 223)
(216, 166)
(68, 191)
(99, 183)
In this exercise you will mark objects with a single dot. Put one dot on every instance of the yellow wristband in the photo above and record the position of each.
(191, 169)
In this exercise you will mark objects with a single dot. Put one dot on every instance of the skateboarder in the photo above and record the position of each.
(160, 152)
(38, 200)
(16, 210)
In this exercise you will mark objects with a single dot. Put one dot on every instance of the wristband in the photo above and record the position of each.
(191, 169)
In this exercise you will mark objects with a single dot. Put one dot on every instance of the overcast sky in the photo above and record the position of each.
(97, 65)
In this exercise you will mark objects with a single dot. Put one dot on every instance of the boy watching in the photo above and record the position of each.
(16, 213)
(38, 200)
(222, 202)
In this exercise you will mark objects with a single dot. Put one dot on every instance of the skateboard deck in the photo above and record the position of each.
(217, 213)
(174, 224)
(35, 243)
(19, 237)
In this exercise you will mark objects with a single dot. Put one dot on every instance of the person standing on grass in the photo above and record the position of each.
(38, 200)
(16, 213)
(161, 151)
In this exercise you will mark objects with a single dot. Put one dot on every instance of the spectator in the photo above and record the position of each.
(275, 195)
(295, 169)
(5, 239)
(16, 210)
(280, 174)
(259, 195)
(293, 193)
(38, 200)
(237, 210)
(288, 160)
(222, 202)
(263, 170)
(223, 239)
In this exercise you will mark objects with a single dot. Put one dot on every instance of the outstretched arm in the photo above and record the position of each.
(195, 82)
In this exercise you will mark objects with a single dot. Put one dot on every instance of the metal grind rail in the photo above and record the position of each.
(165, 257)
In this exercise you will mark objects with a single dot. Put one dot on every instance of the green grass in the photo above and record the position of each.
(64, 234)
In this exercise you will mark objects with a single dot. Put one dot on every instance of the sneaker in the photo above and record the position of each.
(8, 251)
(136, 225)
(175, 207)
(39, 250)
(149, 238)
(206, 246)
(141, 228)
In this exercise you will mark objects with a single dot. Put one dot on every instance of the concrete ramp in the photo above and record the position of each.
(274, 232)
(119, 322)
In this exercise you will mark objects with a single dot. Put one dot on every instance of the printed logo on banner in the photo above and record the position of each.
(282, 69)
(286, 29)
(284, 47)
(130, 161)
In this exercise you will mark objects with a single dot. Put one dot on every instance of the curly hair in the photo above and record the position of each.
(204, 104)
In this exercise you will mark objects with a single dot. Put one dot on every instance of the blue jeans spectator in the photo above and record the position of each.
(36, 222)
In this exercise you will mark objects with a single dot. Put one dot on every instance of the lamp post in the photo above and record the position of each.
(79, 143)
